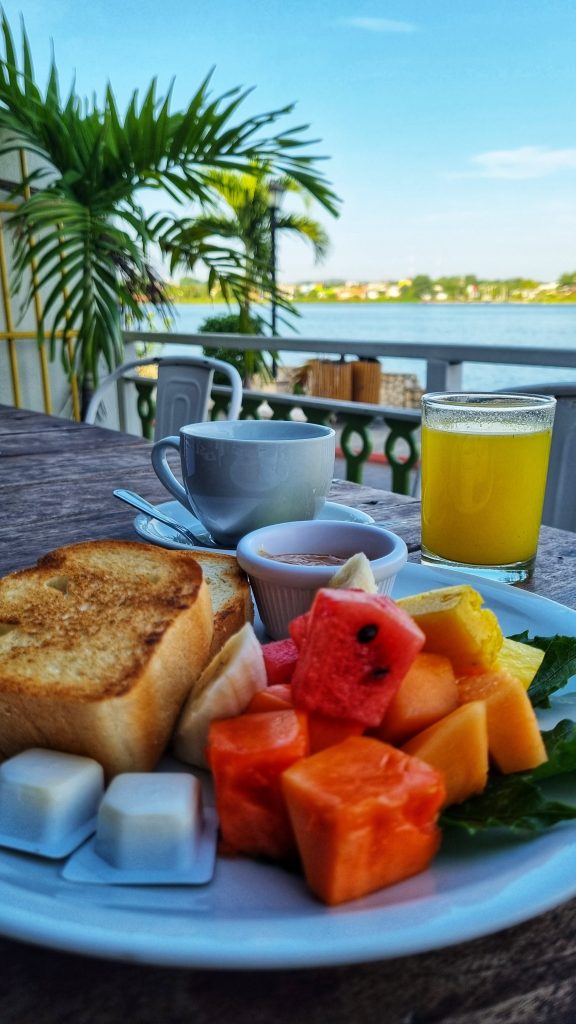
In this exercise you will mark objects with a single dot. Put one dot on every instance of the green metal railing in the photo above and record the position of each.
(357, 422)
(444, 363)
(401, 445)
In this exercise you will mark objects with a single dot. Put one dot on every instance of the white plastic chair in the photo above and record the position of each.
(182, 390)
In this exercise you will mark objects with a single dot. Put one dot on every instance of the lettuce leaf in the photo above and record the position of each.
(511, 802)
(560, 745)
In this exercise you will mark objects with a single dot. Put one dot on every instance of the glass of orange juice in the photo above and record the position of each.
(484, 467)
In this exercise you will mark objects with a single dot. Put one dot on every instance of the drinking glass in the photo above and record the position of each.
(484, 467)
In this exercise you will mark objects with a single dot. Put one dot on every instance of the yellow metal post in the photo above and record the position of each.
(9, 333)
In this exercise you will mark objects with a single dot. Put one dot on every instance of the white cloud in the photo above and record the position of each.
(379, 24)
(524, 162)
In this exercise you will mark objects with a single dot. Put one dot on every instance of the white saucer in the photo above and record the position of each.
(155, 532)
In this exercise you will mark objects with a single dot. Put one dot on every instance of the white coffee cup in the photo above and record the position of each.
(239, 475)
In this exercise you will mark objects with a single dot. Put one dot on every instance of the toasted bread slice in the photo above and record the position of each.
(100, 644)
(230, 594)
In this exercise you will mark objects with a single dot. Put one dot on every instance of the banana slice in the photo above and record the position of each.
(224, 689)
(355, 574)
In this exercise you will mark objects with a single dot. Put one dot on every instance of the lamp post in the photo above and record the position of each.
(276, 191)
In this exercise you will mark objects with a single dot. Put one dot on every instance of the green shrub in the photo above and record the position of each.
(248, 362)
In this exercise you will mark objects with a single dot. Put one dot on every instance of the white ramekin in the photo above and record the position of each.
(283, 590)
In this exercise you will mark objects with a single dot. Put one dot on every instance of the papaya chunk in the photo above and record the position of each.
(365, 816)
(455, 624)
(277, 697)
(325, 731)
(429, 691)
(456, 745)
(247, 756)
(515, 742)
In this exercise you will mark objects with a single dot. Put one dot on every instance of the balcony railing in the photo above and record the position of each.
(444, 363)
(401, 445)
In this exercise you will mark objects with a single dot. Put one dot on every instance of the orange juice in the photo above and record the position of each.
(482, 494)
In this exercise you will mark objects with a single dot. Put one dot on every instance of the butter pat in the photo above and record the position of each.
(48, 801)
(152, 829)
(150, 822)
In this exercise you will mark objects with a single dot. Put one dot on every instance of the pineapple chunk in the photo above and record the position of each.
(456, 625)
(519, 660)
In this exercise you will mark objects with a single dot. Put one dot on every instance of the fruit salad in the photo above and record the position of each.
(348, 749)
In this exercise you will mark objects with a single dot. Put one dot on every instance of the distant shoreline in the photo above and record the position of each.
(387, 302)
(569, 300)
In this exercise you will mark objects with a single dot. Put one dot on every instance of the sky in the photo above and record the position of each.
(449, 125)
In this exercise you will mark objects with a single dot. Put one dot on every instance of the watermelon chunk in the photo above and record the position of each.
(280, 659)
(299, 628)
(356, 650)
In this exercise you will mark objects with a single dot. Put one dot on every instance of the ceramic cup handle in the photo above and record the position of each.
(163, 471)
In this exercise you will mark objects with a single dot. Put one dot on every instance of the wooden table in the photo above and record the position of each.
(56, 481)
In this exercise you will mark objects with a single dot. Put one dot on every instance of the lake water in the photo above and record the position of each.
(553, 326)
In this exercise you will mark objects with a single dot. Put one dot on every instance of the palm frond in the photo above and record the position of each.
(84, 239)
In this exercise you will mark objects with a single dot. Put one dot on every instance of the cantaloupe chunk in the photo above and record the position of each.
(364, 814)
(428, 692)
(515, 743)
(519, 660)
(455, 624)
(457, 746)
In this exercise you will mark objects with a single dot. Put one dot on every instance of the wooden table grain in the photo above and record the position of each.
(56, 481)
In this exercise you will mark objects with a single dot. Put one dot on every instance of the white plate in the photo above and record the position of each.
(154, 531)
(256, 916)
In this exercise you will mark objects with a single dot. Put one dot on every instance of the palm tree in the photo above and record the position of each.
(243, 217)
(81, 232)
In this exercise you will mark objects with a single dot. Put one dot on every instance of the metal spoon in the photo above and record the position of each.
(131, 498)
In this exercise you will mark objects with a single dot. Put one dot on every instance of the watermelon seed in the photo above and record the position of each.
(367, 633)
(373, 675)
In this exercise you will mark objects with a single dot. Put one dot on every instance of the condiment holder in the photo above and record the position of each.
(284, 590)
